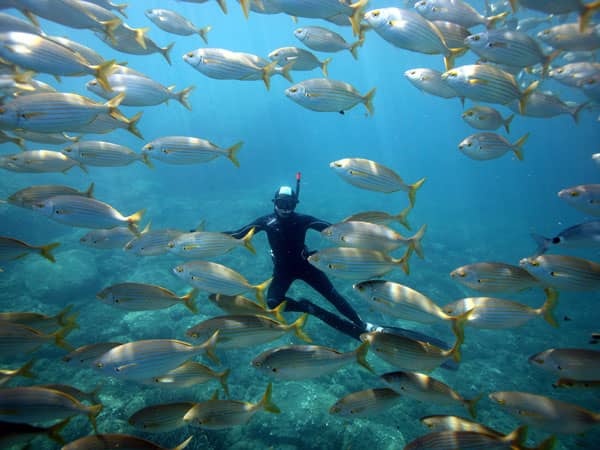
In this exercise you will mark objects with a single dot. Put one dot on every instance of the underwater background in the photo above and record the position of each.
(475, 211)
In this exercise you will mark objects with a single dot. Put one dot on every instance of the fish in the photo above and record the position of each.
(152, 242)
(87, 354)
(381, 217)
(326, 95)
(218, 279)
(302, 60)
(222, 3)
(576, 364)
(142, 360)
(494, 277)
(585, 11)
(564, 272)
(108, 239)
(79, 211)
(456, 11)
(545, 413)
(42, 322)
(57, 112)
(46, 138)
(135, 42)
(11, 249)
(430, 81)
(357, 263)
(453, 33)
(486, 118)
(410, 354)
(15, 140)
(456, 423)
(575, 74)
(6, 375)
(22, 434)
(568, 37)
(546, 104)
(184, 150)
(406, 29)
(105, 123)
(79, 395)
(371, 236)
(324, 40)
(591, 88)
(578, 384)
(12, 23)
(161, 418)
(485, 146)
(145, 297)
(16, 338)
(139, 91)
(207, 244)
(39, 161)
(373, 176)
(496, 313)
(428, 389)
(34, 404)
(241, 331)
(365, 403)
(221, 414)
(108, 441)
(583, 235)
(486, 83)
(190, 374)
(239, 305)
(173, 22)
(90, 55)
(448, 440)
(302, 362)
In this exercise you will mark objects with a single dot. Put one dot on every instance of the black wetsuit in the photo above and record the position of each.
(286, 236)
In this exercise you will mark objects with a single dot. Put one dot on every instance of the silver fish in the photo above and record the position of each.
(190, 374)
(485, 146)
(430, 81)
(87, 354)
(30, 196)
(12, 23)
(145, 297)
(381, 217)
(6, 375)
(16, 338)
(357, 263)
(542, 104)
(365, 403)
(572, 363)
(173, 22)
(445, 440)
(152, 243)
(564, 272)
(189, 150)
(46, 138)
(41, 322)
(585, 11)
(161, 418)
(493, 277)
(583, 235)
(486, 118)
(105, 123)
(100, 441)
(134, 41)
(569, 37)
(11, 249)
(90, 55)
(206, 244)
(107, 239)
(323, 40)
(575, 74)
(103, 154)
(456, 11)
(302, 60)
(39, 161)
(453, 33)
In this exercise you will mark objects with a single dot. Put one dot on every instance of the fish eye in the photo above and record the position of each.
(475, 38)
(560, 70)
(574, 194)
(171, 245)
(293, 90)
(534, 263)
(469, 144)
(194, 335)
(148, 147)
(376, 13)
(58, 211)
(190, 55)
(434, 9)
(331, 266)
(257, 364)
(274, 369)
(98, 365)
(179, 269)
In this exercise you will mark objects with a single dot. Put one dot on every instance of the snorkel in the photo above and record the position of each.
(298, 178)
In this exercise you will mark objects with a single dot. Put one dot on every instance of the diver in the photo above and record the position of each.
(286, 231)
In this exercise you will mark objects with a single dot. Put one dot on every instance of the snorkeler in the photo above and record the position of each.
(286, 231)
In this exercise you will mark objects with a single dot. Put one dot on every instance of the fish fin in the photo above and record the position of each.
(412, 191)
(24, 371)
(357, 15)
(133, 220)
(267, 73)
(60, 335)
(477, 81)
(165, 51)
(146, 228)
(232, 153)
(278, 310)
(449, 59)
(548, 60)
(260, 289)
(203, 32)
(146, 160)
(32, 115)
(61, 317)
(245, 4)
(459, 322)
(109, 27)
(32, 18)
(133, 129)
(517, 146)
(402, 218)
(526, 94)
(353, 49)
(547, 444)
(577, 110)
(589, 10)
(209, 347)
(324, 65)
(54, 431)
(490, 22)
(514, 4)
(507, 122)
(549, 306)
(223, 6)
(184, 444)
(285, 71)
(94, 393)
(415, 241)
(45, 251)
(455, 350)
(298, 327)
(542, 242)
(121, 9)
(182, 97)
(517, 436)
(223, 380)
(403, 262)
(94, 410)
(112, 106)
(89, 193)
(361, 356)
(140, 36)
(125, 367)
(472, 405)
(368, 101)
(266, 403)
(247, 241)
(215, 395)
(189, 300)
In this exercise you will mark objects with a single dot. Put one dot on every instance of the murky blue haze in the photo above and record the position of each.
(475, 211)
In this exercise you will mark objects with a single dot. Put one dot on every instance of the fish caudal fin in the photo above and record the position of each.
(146, 160)
(89, 193)
(110, 26)
(415, 241)
(233, 151)
(166, 52)
(454, 352)
(412, 191)
(453, 53)
(549, 306)
(223, 5)
(490, 22)
(245, 4)
(209, 347)
(112, 106)
(61, 317)
(223, 380)
(140, 36)
(518, 146)
(507, 122)
(45, 251)
(353, 49)
(368, 101)
(184, 444)
(121, 8)
(543, 243)
(260, 290)
(458, 324)
(298, 327)
(189, 300)
(93, 412)
(285, 71)
(324, 65)
(361, 356)
(278, 310)
(54, 431)
(247, 241)
(403, 262)
(102, 71)
(547, 444)
(266, 403)
(60, 335)
(267, 73)
(132, 126)
(526, 94)
(589, 10)
(25, 370)
(575, 111)
(203, 32)
(182, 97)
(133, 221)
(472, 405)
(357, 15)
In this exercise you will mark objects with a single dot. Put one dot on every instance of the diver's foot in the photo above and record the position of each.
(372, 327)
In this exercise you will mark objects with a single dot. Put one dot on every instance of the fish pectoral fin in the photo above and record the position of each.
(336, 266)
(526, 413)
(477, 81)
(382, 300)
(497, 45)
(308, 94)
(32, 115)
(125, 367)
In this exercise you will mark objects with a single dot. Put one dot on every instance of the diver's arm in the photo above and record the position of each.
(258, 225)
(317, 224)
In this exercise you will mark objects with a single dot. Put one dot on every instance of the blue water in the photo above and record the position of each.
(475, 211)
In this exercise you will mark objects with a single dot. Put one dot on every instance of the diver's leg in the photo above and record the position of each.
(277, 289)
(320, 283)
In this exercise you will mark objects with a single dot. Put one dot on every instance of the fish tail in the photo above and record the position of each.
(472, 405)
(507, 122)
(93, 412)
(267, 72)
(232, 153)
(245, 4)
(61, 317)
(357, 15)
(547, 444)
(368, 101)
(132, 126)
(402, 218)
(54, 431)
(526, 94)
(324, 65)
(260, 289)
(490, 22)
(518, 146)
(121, 8)
(19, 141)
(285, 71)
(189, 300)
(247, 241)
(184, 444)
(589, 10)
(548, 60)
(94, 393)
(31, 18)
(353, 49)
(182, 97)
(110, 26)
(203, 32)
(24, 371)
(59, 338)
(166, 52)
(45, 251)
(542, 242)
(89, 193)
(412, 191)
(298, 327)
(278, 310)
(82, 167)
(403, 262)
(549, 306)
(517, 437)
(209, 347)
(458, 324)
(575, 112)
(223, 380)
(455, 351)
(112, 106)
(514, 4)
(146, 160)
(361, 356)
(140, 36)
(266, 403)
(415, 241)
(223, 6)
(453, 53)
